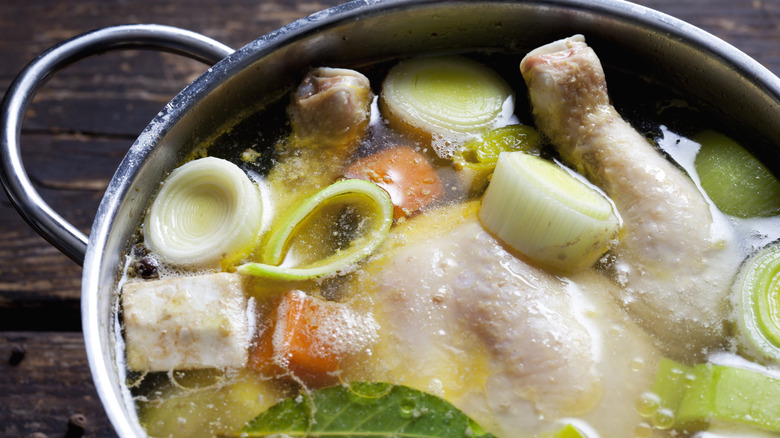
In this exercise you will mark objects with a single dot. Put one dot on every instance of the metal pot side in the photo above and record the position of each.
(651, 44)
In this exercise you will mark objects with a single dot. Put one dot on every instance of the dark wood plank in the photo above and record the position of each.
(39, 287)
(48, 385)
(752, 26)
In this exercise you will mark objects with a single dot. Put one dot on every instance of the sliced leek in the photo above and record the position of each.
(734, 179)
(365, 195)
(445, 99)
(568, 431)
(477, 158)
(691, 397)
(756, 295)
(545, 213)
(208, 211)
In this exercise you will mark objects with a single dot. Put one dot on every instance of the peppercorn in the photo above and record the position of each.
(146, 267)
(140, 250)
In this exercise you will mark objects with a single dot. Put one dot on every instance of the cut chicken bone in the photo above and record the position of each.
(332, 105)
(330, 113)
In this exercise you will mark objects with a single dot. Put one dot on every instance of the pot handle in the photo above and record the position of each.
(38, 214)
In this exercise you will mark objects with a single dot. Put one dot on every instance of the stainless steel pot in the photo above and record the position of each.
(637, 39)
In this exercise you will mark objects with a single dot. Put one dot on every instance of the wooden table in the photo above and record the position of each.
(82, 123)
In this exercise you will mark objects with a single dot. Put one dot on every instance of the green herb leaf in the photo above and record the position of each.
(364, 410)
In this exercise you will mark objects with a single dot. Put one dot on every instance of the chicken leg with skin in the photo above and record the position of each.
(673, 261)
(516, 348)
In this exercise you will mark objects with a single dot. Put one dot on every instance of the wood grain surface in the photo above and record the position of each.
(83, 121)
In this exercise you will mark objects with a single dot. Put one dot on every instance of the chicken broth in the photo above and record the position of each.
(443, 302)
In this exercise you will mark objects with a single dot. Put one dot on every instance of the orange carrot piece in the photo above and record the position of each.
(405, 174)
(298, 343)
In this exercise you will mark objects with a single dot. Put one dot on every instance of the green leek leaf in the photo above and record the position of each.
(364, 410)
(692, 396)
(734, 179)
(376, 203)
(568, 431)
(477, 158)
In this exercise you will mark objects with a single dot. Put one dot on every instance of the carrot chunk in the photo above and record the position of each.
(301, 341)
(405, 174)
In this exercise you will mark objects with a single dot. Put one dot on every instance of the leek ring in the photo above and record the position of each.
(278, 241)
(757, 303)
(545, 213)
(445, 99)
(208, 210)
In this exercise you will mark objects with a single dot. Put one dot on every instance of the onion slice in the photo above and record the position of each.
(347, 192)
(208, 211)
(446, 99)
(756, 294)
(545, 213)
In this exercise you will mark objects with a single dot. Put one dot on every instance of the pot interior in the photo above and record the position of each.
(629, 39)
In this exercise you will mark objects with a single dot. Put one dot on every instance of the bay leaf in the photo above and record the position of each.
(364, 409)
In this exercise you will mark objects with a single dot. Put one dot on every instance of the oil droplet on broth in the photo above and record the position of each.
(643, 430)
(663, 419)
(637, 364)
(648, 404)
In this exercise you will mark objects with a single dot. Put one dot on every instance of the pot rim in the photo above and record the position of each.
(96, 336)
